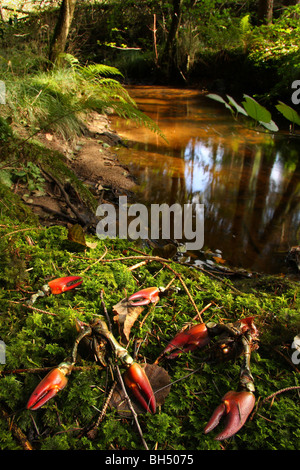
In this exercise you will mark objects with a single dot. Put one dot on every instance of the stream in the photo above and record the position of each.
(248, 181)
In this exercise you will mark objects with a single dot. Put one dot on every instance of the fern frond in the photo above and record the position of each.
(58, 99)
(94, 70)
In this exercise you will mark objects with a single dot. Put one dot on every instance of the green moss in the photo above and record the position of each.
(35, 339)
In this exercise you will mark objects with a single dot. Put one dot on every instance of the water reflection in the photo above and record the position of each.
(249, 182)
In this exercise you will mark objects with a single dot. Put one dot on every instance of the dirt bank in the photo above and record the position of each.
(92, 157)
(93, 160)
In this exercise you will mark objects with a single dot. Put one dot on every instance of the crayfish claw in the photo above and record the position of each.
(138, 383)
(188, 340)
(235, 407)
(145, 296)
(63, 284)
(54, 381)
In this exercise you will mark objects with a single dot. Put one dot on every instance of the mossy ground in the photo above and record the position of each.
(31, 255)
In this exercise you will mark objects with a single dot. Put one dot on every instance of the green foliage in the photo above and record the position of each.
(212, 37)
(59, 100)
(21, 163)
(5, 130)
(276, 48)
(13, 208)
(289, 113)
(29, 174)
(257, 112)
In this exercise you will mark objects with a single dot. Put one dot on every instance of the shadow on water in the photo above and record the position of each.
(248, 181)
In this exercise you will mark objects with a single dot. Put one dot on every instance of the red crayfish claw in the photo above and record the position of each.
(54, 381)
(236, 407)
(62, 284)
(138, 383)
(188, 340)
(145, 296)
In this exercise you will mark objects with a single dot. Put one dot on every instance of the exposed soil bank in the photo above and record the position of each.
(92, 159)
(91, 156)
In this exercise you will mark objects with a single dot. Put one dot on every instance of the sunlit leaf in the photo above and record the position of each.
(239, 108)
(288, 112)
(256, 110)
(219, 98)
(271, 126)
(216, 97)
(76, 235)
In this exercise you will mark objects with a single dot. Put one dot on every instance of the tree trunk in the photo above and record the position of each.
(1, 12)
(265, 11)
(62, 29)
(169, 55)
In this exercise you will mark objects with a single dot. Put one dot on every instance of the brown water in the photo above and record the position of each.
(249, 182)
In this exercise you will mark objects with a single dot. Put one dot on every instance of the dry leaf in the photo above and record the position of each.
(91, 245)
(76, 235)
(125, 315)
(219, 260)
(161, 385)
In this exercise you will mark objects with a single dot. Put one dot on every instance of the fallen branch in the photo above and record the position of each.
(19, 435)
(273, 395)
(37, 370)
(92, 431)
(80, 218)
(283, 390)
(32, 308)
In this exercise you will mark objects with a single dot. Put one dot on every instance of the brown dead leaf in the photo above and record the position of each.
(161, 385)
(219, 260)
(77, 235)
(125, 315)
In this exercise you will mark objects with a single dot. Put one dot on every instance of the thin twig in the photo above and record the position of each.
(66, 196)
(138, 265)
(142, 257)
(97, 261)
(165, 262)
(23, 230)
(187, 291)
(288, 360)
(17, 432)
(287, 389)
(36, 370)
(198, 268)
(147, 315)
(100, 418)
(105, 311)
(270, 397)
(32, 308)
(203, 310)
